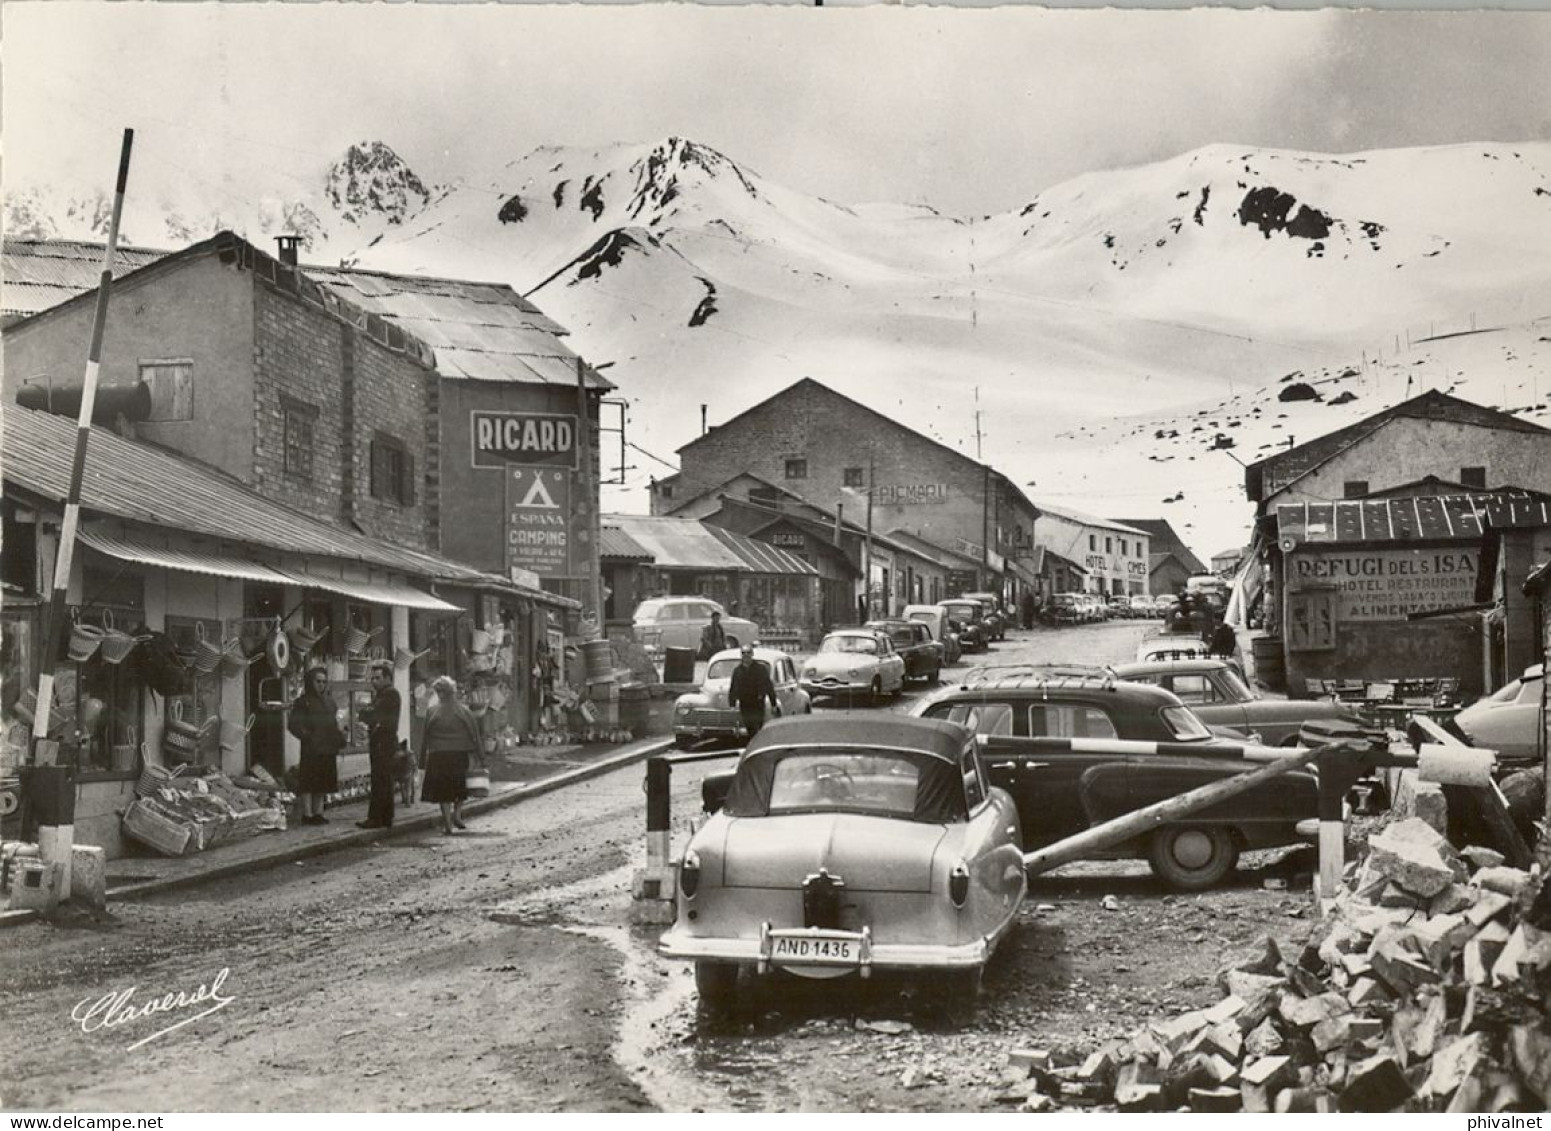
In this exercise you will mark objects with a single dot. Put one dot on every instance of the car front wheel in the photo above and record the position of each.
(1192, 857)
(717, 985)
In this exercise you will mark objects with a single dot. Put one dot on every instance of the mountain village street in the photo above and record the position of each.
(496, 970)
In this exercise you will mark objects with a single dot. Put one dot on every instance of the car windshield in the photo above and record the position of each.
(968, 612)
(885, 784)
(723, 669)
(863, 644)
(1184, 724)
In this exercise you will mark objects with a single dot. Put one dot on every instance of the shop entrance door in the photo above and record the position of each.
(266, 741)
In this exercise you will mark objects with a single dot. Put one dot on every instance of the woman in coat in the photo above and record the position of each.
(449, 746)
(315, 721)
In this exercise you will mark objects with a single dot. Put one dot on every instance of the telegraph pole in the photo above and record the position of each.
(867, 545)
(985, 504)
(591, 522)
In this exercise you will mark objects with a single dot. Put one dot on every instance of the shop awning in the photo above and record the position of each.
(375, 592)
(189, 561)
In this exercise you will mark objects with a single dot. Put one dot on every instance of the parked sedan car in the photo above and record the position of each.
(706, 713)
(675, 622)
(1063, 787)
(1065, 608)
(1215, 690)
(913, 641)
(847, 845)
(854, 661)
(976, 636)
(993, 614)
(941, 626)
(1510, 719)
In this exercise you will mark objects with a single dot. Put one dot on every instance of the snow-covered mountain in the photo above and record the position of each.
(1124, 330)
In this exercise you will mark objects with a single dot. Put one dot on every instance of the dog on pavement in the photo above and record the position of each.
(405, 767)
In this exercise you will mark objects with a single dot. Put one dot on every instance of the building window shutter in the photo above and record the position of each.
(407, 494)
(1473, 476)
(376, 478)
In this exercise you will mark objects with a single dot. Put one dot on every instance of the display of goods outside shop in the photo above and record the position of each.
(192, 811)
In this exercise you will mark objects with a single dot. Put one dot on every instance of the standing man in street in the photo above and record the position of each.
(713, 637)
(751, 686)
(382, 723)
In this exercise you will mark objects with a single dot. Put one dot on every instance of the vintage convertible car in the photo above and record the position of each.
(706, 713)
(849, 844)
(1217, 693)
(854, 661)
(1032, 721)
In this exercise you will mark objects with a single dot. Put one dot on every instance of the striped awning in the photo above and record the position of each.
(188, 561)
(374, 592)
(1406, 519)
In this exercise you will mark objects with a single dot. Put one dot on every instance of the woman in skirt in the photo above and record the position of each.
(315, 722)
(450, 745)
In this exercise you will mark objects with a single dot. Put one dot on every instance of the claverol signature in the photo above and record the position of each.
(118, 1008)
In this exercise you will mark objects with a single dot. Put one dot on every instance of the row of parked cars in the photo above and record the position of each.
(855, 843)
(1087, 608)
(870, 663)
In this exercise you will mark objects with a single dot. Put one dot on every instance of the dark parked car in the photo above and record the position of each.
(1217, 693)
(923, 656)
(1060, 792)
(977, 633)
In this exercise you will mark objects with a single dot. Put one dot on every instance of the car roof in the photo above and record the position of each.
(927, 736)
(869, 632)
(1072, 681)
(1162, 667)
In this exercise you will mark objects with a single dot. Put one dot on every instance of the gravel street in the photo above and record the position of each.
(496, 971)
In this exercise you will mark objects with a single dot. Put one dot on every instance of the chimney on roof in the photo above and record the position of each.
(288, 246)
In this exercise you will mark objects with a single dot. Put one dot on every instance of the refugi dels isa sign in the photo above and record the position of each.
(522, 439)
(538, 521)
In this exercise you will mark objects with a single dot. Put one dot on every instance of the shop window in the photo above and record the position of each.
(393, 471)
(172, 388)
(1355, 489)
(17, 678)
(852, 477)
(1311, 621)
(100, 702)
(797, 469)
(1473, 477)
(300, 422)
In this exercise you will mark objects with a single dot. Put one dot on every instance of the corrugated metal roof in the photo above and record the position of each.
(38, 274)
(761, 557)
(1410, 518)
(615, 544)
(144, 484)
(189, 561)
(678, 543)
(479, 331)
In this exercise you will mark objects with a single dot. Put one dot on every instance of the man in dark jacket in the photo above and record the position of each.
(713, 638)
(751, 686)
(382, 723)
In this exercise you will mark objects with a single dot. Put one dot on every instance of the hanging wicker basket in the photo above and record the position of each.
(180, 737)
(207, 656)
(85, 639)
(356, 640)
(403, 658)
(304, 638)
(116, 645)
(234, 660)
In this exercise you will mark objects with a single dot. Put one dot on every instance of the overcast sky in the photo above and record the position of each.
(969, 110)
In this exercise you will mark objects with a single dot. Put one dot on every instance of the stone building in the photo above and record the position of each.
(834, 452)
(1115, 556)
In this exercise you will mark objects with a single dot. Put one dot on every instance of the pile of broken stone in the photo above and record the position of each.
(1423, 988)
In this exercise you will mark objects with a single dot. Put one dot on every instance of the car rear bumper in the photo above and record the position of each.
(677, 943)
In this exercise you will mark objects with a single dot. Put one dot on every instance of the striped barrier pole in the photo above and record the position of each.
(58, 840)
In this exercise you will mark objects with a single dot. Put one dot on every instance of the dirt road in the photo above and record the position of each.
(495, 971)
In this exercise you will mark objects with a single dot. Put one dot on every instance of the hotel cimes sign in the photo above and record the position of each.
(522, 439)
(1380, 585)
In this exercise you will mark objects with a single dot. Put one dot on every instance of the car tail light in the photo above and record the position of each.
(689, 875)
(958, 884)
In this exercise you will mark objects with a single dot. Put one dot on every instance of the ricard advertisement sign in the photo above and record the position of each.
(522, 439)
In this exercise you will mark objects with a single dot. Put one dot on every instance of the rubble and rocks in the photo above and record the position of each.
(1425, 987)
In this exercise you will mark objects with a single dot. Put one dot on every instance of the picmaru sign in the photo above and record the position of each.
(538, 522)
(522, 439)
(1385, 585)
(909, 494)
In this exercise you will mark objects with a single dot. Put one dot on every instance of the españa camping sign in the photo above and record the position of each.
(538, 521)
(522, 439)
(1379, 585)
